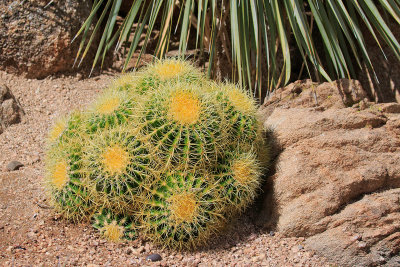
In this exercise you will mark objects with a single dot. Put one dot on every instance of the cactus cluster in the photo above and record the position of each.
(163, 153)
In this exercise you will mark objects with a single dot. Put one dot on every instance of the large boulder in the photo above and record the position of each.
(36, 35)
(337, 179)
(10, 110)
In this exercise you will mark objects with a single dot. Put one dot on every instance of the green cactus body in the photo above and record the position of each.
(168, 71)
(239, 177)
(126, 82)
(240, 111)
(112, 108)
(65, 177)
(135, 83)
(115, 228)
(66, 128)
(117, 166)
(181, 126)
(181, 211)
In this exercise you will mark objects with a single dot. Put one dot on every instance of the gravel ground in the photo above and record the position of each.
(32, 235)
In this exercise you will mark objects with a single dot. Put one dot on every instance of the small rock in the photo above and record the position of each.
(140, 249)
(271, 233)
(356, 238)
(31, 235)
(389, 107)
(154, 257)
(300, 247)
(129, 250)
(14, 165)
(362, 244)
(35, 159)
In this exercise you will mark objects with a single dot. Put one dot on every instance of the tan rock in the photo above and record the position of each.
(10, 110)
(339, 169)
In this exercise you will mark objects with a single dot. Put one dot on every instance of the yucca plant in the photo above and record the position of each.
(253, 36)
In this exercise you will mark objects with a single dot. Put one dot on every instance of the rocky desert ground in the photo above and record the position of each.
(31, 234)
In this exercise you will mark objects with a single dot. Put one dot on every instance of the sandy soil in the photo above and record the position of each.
(32, 235)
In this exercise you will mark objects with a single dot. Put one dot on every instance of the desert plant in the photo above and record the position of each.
(172, 162)
(181, 125)
(114, 227)
(65, 178)
(117, 166)
(182, 210)
(238, 176)
(112, 108)
(253, 34)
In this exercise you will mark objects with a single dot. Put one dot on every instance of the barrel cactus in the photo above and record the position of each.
(110, 109)
(117, 166)
(183, 209)
(163, 153)
(180, 125)
(65, 178)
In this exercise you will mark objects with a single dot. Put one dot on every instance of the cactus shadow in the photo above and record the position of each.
(262, 216)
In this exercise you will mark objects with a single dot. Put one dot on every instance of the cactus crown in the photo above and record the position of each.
(163, 151)
(183, 207)
(115, 159)
(108, 105)
(184, 107)
(59, 176)
(169, 69)
(113, 231)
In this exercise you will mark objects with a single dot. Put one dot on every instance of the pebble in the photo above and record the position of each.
(355, 238)
(14, 165)
(129, 250)
(154, 257)
(140, 249)
(362, 244)
(31, 235)
(272, 233)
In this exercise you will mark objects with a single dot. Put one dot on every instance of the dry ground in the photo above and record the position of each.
(32, 235)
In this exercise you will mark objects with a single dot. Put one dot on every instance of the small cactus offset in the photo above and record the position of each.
(163, 153)
(114, 227)
(238, 175)
(240, 114)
